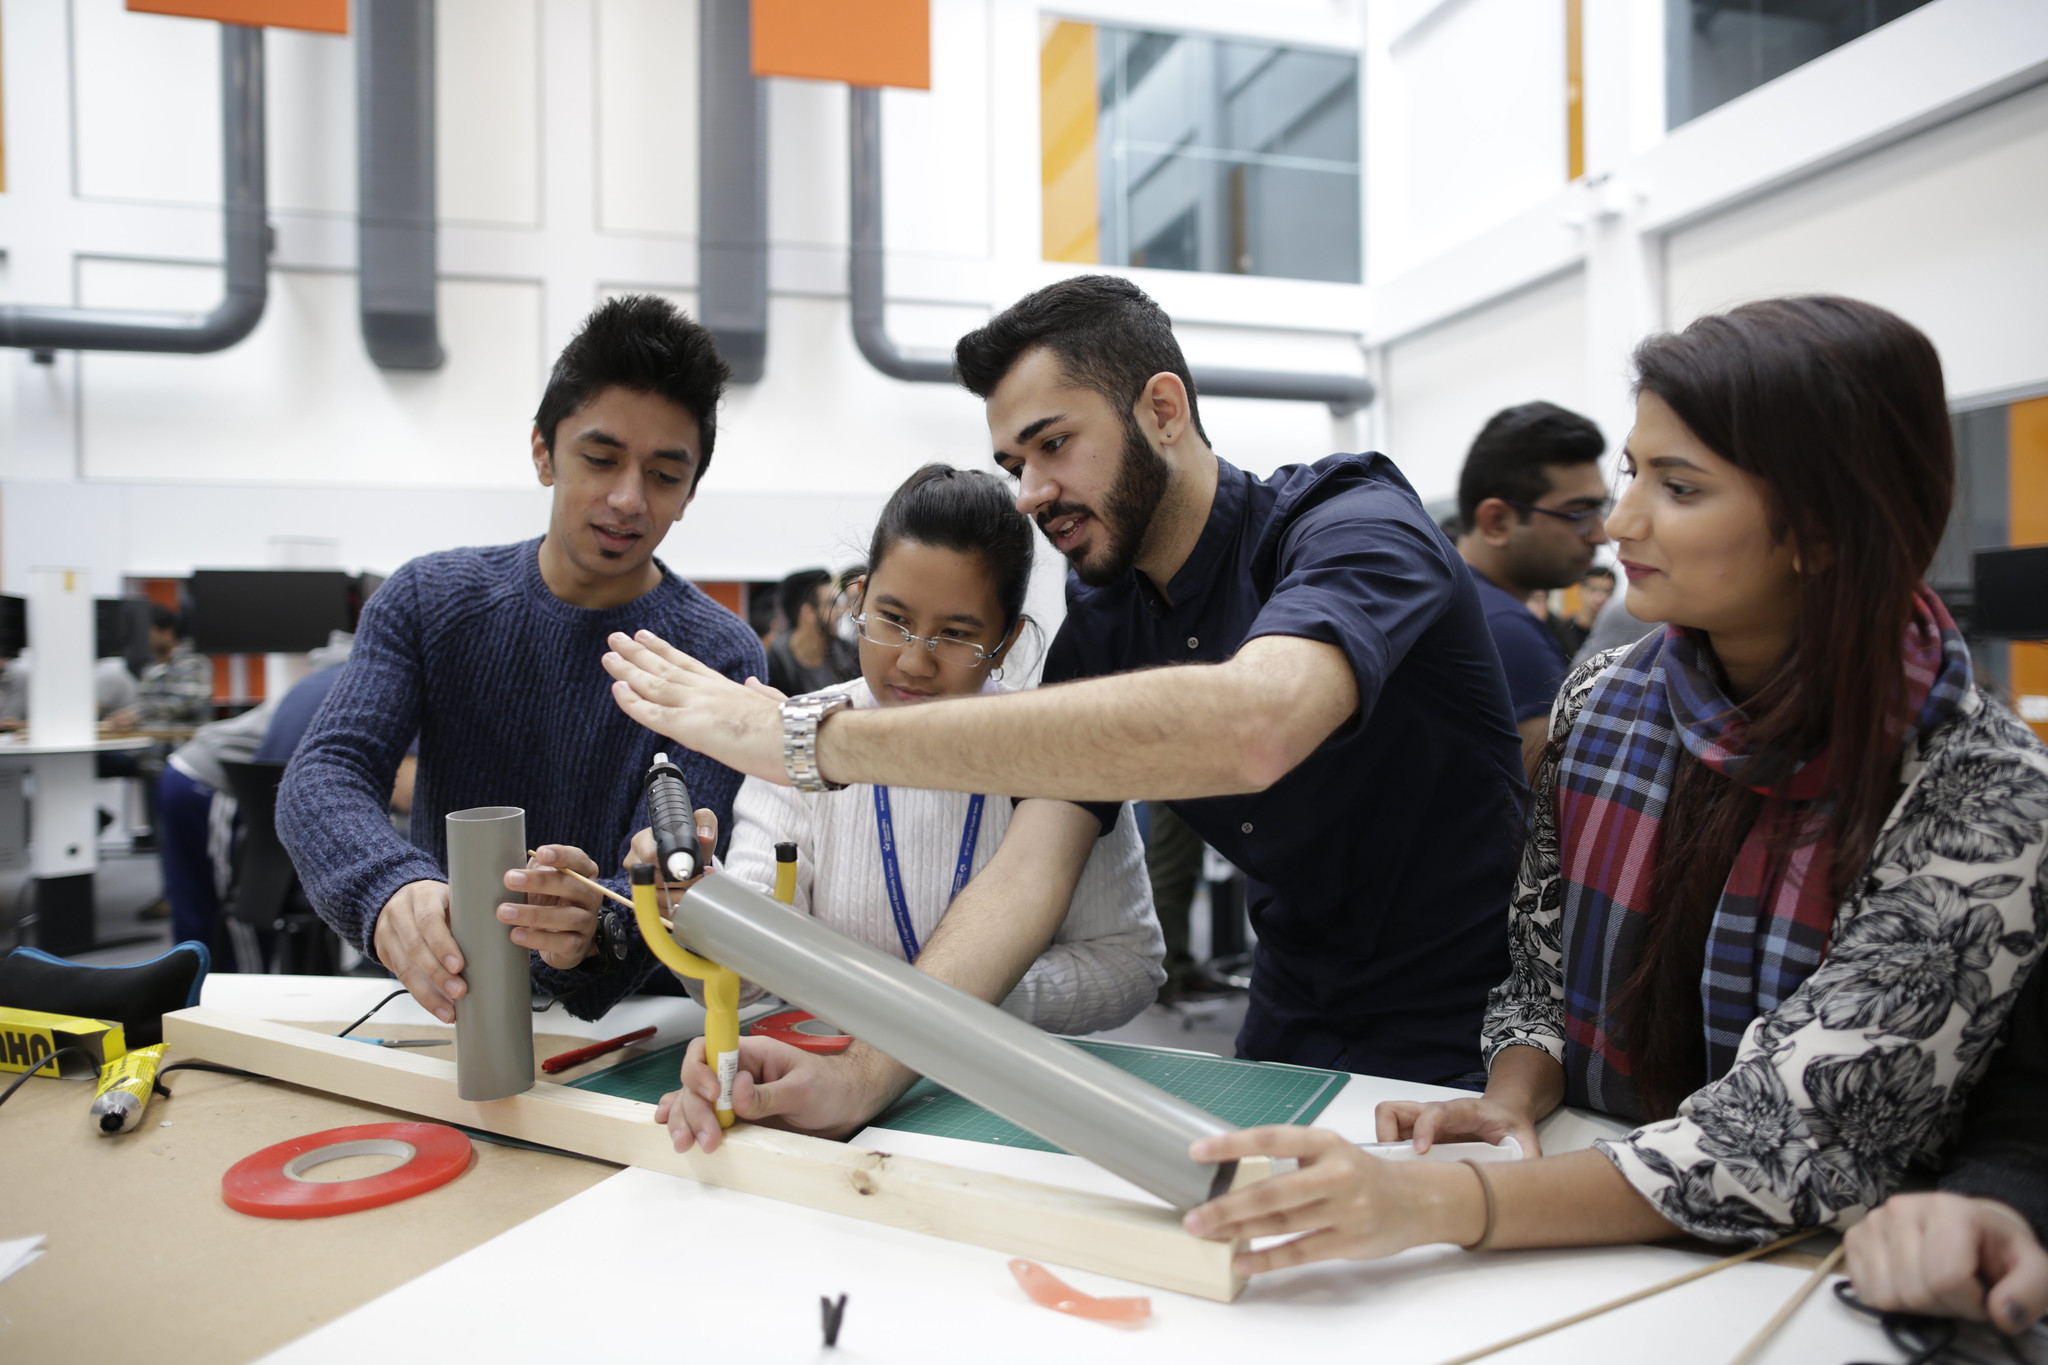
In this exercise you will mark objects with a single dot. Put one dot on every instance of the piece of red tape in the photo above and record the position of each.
(788, 1026)
(272, 1183)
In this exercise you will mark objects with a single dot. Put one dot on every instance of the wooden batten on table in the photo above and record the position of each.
(1144, 1243)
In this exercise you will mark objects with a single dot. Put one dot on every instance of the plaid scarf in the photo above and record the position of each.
(1770, 929)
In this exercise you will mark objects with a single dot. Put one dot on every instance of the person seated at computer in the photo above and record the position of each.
(176, 689)
(491, 658)
(1785, 862)
(941, 609)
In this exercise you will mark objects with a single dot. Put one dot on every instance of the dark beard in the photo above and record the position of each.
(1127, 511)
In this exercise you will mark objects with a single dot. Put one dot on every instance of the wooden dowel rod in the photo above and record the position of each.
(1770, 1329)
(1687, 1278)
(598, 887)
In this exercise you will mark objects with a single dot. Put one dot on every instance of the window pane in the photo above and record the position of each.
(1718, 49)
(1224, 156)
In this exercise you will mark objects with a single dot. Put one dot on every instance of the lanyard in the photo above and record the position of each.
(892, 875)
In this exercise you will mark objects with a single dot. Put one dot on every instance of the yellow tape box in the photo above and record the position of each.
(28, 1036)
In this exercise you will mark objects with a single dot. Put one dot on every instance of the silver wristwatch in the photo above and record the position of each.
(801, 717)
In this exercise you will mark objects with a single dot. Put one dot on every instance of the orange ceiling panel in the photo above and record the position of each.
(861, 42)
(321, 16)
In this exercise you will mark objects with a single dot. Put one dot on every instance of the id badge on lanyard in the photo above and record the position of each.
(892, 874)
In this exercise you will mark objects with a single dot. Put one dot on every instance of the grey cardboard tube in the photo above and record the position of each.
(1035, 1080)
(494, 1017)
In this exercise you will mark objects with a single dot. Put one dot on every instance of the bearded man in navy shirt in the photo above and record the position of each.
(1300, 664)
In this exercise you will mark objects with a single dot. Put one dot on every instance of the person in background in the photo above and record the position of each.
(1785, 866)
(1972, 1247)
(488, 658)
(1613, 627)
(195, 803)
(1594, 590)
(113, 693)
(174, 691)
(1173, 864)
(809, 656)
(1530, 500)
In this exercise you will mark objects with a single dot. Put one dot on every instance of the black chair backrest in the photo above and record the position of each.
(265, 875)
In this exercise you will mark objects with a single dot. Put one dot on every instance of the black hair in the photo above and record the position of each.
(800, 590)
(1508, 459)
(966, 511)
(163, 618)
(646, 344)
(1599, 571)
(1107, 334)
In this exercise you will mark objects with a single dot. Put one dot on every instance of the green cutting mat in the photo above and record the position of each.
(645, 1079)
(1243, 1093)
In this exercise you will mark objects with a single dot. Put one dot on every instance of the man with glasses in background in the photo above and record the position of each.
(1531, 503)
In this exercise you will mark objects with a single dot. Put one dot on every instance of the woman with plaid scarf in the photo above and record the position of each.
(1784, 874)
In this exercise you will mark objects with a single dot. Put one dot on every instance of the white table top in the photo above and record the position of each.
(646, 1265)
(21, 747)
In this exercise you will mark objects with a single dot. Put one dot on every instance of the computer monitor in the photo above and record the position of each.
(13, 626)
(2011, 595)
(269, 611)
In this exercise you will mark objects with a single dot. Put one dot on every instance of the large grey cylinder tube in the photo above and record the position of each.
(494, 1017)
(1030, 1077)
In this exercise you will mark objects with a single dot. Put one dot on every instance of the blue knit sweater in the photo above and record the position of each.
(501, 681)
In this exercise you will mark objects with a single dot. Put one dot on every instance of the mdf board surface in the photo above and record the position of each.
(1133, 1241)
(143, 1260)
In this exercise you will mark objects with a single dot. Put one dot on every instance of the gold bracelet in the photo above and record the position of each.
(1486, 1189)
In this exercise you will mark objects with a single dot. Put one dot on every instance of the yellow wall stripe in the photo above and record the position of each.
(1071, 217)
(2027, 488)
(1574, 88)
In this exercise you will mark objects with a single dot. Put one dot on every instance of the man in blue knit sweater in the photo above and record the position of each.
(491, 657)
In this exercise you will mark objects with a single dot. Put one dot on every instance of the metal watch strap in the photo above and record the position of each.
(801, 717)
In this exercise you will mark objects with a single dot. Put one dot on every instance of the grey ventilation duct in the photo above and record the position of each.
(864, 271)
(247, 242)
(395, 226)
(732, 188)
(1345, 393)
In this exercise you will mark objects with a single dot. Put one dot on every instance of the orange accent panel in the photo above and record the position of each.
(731, 596)
(2027, 491)
(1070, 214)
(223, 677)
(321, 16)
(861, 42)
(1574, 88)
(162, 591)
(2027, 459)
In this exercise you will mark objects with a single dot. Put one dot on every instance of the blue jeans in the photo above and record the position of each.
(183, 809)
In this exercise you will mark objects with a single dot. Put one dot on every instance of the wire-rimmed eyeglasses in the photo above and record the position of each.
(1584, 520)
(959, 653)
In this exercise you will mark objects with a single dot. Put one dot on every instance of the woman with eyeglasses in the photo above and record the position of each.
(1783, 880)
(940, 611)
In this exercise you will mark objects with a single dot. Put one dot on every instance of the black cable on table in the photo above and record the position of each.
(370, 1011)
(84, 1052)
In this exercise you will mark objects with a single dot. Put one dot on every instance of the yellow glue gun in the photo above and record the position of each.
(721, 988)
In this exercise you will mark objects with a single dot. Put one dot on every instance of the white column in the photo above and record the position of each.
(60, 712)
(60, 636)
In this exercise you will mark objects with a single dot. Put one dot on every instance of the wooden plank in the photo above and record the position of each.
(1140, 1242)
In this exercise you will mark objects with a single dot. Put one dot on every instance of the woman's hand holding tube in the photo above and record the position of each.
(673, 694)
(1342, 1203)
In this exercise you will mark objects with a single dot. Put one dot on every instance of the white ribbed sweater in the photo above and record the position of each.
(1103, 966)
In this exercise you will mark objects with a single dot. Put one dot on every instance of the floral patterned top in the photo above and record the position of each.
(1864, 1069)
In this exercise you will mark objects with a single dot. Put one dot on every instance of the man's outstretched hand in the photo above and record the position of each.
(700, 708)
(784, 1087)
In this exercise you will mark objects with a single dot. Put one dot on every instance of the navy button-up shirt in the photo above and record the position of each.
(1380, 867)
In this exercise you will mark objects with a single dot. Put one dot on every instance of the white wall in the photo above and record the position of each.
(1948, 229)
(1442, 384)
(1904, 167)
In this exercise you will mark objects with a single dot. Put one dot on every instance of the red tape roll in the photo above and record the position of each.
(272, 1184)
